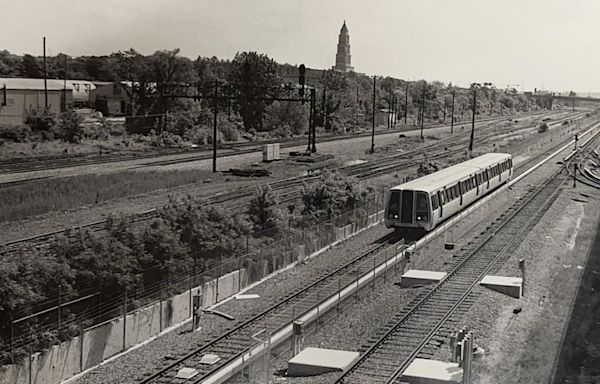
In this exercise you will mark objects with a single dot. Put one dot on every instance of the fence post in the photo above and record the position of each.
(59, 307)
(125, 319)
(339, 293)
(374, 264)
(80, 346)
(220, 269)
(240, 273)
(190, 292)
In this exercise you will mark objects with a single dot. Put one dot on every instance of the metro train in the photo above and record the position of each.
(420, 205)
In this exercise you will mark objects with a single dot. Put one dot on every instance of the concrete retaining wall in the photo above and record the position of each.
(106, 340)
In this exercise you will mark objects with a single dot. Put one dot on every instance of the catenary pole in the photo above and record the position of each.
(374, 111)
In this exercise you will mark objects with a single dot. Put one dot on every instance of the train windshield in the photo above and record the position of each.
(394, 205)
(422, 208)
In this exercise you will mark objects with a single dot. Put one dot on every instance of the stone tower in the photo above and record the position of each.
(342, 57)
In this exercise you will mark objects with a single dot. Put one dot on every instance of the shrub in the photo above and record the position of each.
(543, 128)
(69, 127)
(41, 123)
(335, 194)
(15, 133)
(264, 211)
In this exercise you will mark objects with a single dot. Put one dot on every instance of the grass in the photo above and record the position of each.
(21, 201)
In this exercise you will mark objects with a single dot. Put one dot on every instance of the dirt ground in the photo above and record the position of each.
(522, 337)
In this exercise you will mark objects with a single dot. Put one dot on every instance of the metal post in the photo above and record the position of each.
(374, 265)
(374, 111)
(339, 293)
(406, 104)
(452, 114)
(423, 109)
(80, 346)
(45, 78)
(313, 96)
(325, 108)
(216, 111)
(125, 320)
(220, 269)
(522, 268)
(59, 307)
(575, 176)
(473, 120)
(4, 96)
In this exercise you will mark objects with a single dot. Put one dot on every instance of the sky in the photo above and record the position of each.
(543, 44)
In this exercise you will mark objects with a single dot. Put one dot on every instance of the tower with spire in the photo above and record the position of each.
(342, 57)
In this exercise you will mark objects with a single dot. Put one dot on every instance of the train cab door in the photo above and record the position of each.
(477, 183)
(499, 166)
(441, 201)
(461, 190)
(487, 178)
(408, 207)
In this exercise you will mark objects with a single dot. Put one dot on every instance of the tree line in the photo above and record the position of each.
(344, 100)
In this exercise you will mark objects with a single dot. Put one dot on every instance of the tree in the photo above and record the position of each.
(206, 230)
(335, 194)
(254, 76)
(9, 64)
(264, 211)
(69, 127)
(30, 67)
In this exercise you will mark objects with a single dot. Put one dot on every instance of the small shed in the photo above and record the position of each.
(20, 97)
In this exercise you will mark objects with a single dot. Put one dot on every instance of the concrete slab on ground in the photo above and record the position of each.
(316, 361)
(511, 286)
(424, 371)
(419, 277)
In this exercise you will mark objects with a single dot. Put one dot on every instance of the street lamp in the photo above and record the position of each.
(474, 86)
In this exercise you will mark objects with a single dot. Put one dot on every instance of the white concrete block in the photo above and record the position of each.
(316, 361)
(424, 371)
(512, 286)
(418, 276)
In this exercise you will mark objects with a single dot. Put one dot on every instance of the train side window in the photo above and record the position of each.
(441, 197)
(434, 201)
(456, 191)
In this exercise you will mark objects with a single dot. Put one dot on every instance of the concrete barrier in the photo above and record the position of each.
(105, 340)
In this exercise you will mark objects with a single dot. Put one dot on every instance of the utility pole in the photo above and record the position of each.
(423, 109)
(445, 107)
(374, 109)
(313, 96)
(65, 86)
(452, 113)
(45, 78)
(473, 120)
(216, 111)
(324, 108)
(406, 104)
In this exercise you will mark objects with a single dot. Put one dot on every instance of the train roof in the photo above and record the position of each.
(448, 176)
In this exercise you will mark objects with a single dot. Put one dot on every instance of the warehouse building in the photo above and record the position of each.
(21, 97)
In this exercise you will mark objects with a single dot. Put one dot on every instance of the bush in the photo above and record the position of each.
(15, 133)
(166, 140)
(41, 124)
(543, 128)
(264, 211)
(335, 194)
(69, 127)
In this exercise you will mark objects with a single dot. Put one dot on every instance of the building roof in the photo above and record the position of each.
(344, 28)
(34, 84)
(449, 176)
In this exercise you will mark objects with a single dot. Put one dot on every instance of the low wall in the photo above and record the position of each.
(105, 340)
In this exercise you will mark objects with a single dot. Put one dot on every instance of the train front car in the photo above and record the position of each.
(408, 210)
(419, 205)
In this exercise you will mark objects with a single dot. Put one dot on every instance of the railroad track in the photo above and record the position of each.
(435, 150)
(52, 162)
(419, 324)
(237, 341)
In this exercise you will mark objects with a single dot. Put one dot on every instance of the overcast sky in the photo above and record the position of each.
(548, 44)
